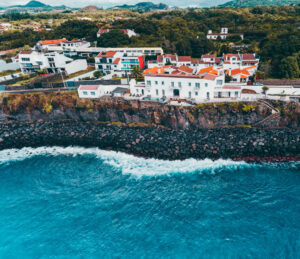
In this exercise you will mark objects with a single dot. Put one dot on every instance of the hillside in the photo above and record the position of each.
(252, 3)
(146, 6)
(90, 8)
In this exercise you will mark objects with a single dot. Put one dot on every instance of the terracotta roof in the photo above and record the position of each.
(116, 61)
(250, 67)
(206, 70)
(213, 72)
(210, 77)
(248, 56)
(197, 61)
(228, 56)
(89, 87)
(49, 42)
(184, 59)
(186, 69)
(234, 72)
(26, 52)
(106, 54)
(208, 56)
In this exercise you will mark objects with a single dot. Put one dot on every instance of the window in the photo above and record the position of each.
(51, 59)
(197, 85)
(156, 82)
(156, 91)
(172, 84)
(236, 93)
(137, 90)
(93, 93)
(219, 82)
(25, 59)
(179, 84)
(207, 95)
(190, 94)
(85, 93)
(148, 82)
(196, 93)
(163, 92)
(206, 84)
(190, 84)
(163, 82)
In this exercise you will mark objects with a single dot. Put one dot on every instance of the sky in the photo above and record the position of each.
(110, 3)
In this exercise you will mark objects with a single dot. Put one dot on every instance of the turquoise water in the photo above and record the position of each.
(89, 203)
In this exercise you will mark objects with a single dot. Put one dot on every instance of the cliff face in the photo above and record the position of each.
(67, 106)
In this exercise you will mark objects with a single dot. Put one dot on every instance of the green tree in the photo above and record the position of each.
(113, 38)
(137, 73)
(97, 74)
(265, 89)
(289, 67)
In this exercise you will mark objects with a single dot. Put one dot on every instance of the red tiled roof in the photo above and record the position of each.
(116, 61)
(26, 52)
(228, 56)
(197, 61)
(180, 75)
(184, 59)
(89, 87)
(106, 54)
(186, 69)
(248, 56)
(206, 70)
(49, 42)
(208, 56)
(210, 77)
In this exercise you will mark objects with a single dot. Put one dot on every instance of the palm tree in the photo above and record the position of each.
(137, 72)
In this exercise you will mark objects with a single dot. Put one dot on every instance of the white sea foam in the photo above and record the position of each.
(127, 164)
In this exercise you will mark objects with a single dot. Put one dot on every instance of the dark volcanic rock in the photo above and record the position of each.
(234, 143)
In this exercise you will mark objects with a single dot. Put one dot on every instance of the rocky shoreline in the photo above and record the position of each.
(237, 143)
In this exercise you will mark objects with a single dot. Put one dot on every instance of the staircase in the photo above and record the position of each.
(272, 119)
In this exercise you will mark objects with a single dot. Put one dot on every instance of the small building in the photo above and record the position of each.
(223, 34)
(109, 62)
(119, 91)
(89, 91)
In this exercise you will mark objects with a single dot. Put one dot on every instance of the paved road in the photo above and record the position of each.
(40, 90)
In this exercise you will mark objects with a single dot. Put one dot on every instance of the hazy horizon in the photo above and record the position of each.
(110, 3)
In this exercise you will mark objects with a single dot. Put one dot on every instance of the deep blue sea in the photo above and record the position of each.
(89, 203)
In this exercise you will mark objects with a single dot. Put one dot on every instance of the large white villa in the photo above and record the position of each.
(54, 62)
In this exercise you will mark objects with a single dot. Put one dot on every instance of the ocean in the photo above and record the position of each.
(89, 203)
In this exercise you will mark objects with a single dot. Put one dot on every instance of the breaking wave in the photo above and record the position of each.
(129, 164)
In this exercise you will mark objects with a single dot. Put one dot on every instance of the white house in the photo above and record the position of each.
(128, 32)
(70, 48)
(223, 34)
(89, 91)
(97, 91)
(118, 62)
(53, 62)
(170, 82)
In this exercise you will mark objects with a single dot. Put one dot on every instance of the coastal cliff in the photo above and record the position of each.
(245, 131)
(66, 105)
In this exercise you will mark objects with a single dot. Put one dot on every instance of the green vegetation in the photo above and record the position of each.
(114, 38)
(271, 32)
(253, 3)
